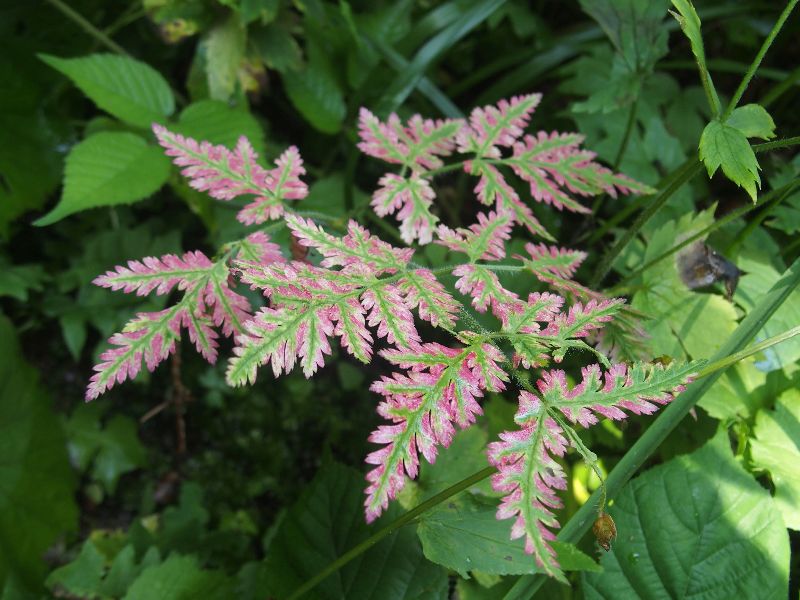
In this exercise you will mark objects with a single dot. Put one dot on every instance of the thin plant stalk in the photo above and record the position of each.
(757, 60)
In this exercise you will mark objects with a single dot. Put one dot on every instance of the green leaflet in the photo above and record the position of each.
(724, 146)
(752, 120)
(697, 525)
(130, 90)
(106, 169)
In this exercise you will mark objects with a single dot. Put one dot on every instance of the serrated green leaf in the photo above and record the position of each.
(218, 123)
(36, 481)
(327, 521)
(316, 93)
(126, 88)
(698, 525)
(106, 169)
(724, 146)
(463, 534)
(776, 448)
(752, 120)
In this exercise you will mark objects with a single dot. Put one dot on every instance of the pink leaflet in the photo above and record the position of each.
(159, 274)
(484, 240)
(423, 404)
(226, 174)
(411, 199)
(559, 261)
(417, 145)
(258, 247)
(434, 303)
(486, 290)
(499, 125)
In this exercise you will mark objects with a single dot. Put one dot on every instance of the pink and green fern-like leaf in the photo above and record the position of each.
(439, 389)
(227, 174)
(411, 198)
(528, 474)
(500, 125)
(484, 240)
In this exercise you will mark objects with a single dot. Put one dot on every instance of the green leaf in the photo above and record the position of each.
(463, 534)
(126, 88)
(36, 481)
(81, 577)
(698, 525)
(225, 46)
(179, 578)
(752, 120)
(316, 93)
(17, 280)
(277, 48)
(265, 10)
(759, 276)
(112, 450)
(724, 146)
(776, 448)
(327, 521)
(218, 123)
(107, 169)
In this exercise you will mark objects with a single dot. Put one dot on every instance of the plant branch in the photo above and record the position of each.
(88, 27)
(757, 60)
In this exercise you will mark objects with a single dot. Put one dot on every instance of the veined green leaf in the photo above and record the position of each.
(722, 145)
(752, 120)
(126, 88)
(106, 169)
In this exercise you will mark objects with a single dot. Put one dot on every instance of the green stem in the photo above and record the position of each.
(681, 176)
(757, 60)
(391, 528)
(778, 90)
(88, 27)
(673, 414)
(755, 222)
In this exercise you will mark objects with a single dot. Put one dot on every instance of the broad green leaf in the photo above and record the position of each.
(264, 10)
(17, 280)
(463, 457)
(316, 93)
(759, 276)
(218, 123)
(697, 526)
(126, 88)
(107, 169)
(724, 146)
(752, 120)
(739, 393)
(82, 577)
(111, 450)
(776, 448)
(36, 480)
(179, 578)
(463, 534)
(326, 522)
(276, 47)
(225, 46)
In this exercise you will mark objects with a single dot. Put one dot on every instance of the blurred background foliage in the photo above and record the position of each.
(178, 478)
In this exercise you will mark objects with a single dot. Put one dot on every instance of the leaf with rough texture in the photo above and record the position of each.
(527, 472)
(411, 199)
(122, 86)
(776, 448)
(219, 123)
(226, 174)
(328, 518)
(697, 526)
(106, 169)
(416, 145)
(180, 578)
(552, 259)
(315, 91)
(440, 388)
(486, 290)
(724, 146)
(433, 302)
(37, 485)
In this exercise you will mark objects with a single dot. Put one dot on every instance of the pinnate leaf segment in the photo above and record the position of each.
(370, 296)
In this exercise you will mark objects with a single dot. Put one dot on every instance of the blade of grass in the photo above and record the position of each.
(432, 50)
(671, 416)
